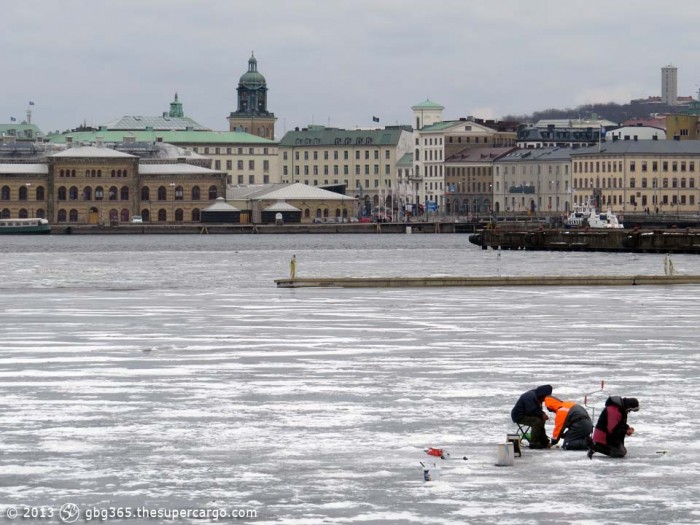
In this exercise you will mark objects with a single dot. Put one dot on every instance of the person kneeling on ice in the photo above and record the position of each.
(528, 411)
(571, 423)
(612, 428)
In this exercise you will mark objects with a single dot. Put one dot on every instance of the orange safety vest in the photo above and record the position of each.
(562, 410)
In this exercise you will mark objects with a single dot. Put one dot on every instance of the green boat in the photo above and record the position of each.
(24, 226)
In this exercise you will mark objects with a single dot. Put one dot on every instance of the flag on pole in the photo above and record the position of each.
(13, 119)
(375, 119)
(31, 103)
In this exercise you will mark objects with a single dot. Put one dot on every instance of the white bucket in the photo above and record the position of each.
(506, 455)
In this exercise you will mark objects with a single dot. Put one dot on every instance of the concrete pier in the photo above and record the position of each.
(422, 282)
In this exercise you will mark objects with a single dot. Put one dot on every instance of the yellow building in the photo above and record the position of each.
(651, 176)
(98, 185)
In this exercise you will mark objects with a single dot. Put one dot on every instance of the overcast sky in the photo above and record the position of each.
(337, 62)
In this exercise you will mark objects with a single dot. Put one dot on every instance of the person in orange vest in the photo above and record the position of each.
(572, 423)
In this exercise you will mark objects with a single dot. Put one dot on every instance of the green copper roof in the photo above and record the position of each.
(428, 104)
(21, 131)
(171, 137)
(322, 136)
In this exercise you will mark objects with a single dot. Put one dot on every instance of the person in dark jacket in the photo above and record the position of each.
(528, 411)
(612, 428)
(571, 423)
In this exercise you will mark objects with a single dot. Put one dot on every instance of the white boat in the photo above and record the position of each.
(586, 215)
(24, 226)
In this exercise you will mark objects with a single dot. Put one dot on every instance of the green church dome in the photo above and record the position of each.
(251, 78)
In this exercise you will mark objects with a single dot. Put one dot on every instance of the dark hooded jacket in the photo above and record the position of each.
(611, 428)
(530, 403)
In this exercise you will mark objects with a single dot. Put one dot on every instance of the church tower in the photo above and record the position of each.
(252, 115)
(176, 108)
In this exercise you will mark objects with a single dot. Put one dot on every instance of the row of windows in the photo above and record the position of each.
(551, 170)
(240, 164)
(346, 155)
(336, 169)
(114, 193)
(123, 215)
(616, 182)
(23, 214)
(477, 171)
(92, 173)
(206, 150)
(22, 193)
(429, 154)
(251, 179)
(616, 166)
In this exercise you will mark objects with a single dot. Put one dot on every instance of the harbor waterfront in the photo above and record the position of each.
(170, 371)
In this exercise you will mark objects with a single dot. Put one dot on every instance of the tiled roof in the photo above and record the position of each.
(641, 147)
(428, 104)
(281, 206)
(24, 169)
(91, 151)
(406, 161)
(21, 131)
(172, 137)
(140, 123)
(221, 205)
(539, 154)
(285, 192)
(322, 136)
(175, 169)
(478, 155)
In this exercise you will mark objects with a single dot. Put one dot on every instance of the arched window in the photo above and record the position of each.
(325, 212)
(99, 193)
(196, 194)
(162, 215)
(213, 193)
(307, 213)
(318, 213)
(62, 193)
(61, 216)
(145, 195)
(5, 214)
(87, 173)
(40, 213)
(73, 216)
(179, 193)
(125, 215)
(23, 193)
(99, 173)
(196, 217)
(23, 214)
(73, 193)
(125, 193)
(72, 173)
(87, 193)
(114, 173)
(113, 192)
(5, 193)
(60, 173)
(162, 195)
(337, 212)
(146, 215)
(179, 215)
(40, 195)
(113, 215)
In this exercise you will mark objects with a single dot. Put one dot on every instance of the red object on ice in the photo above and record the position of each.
(435, 452)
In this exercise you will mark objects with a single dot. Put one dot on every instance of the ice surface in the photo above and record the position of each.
(169, 371)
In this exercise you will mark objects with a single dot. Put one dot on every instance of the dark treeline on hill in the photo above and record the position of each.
(615, 112)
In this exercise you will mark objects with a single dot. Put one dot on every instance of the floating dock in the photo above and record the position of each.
(613, 240)
(424, 282)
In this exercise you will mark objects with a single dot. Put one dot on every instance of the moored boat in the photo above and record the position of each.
(586, 215)
(24, 226)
